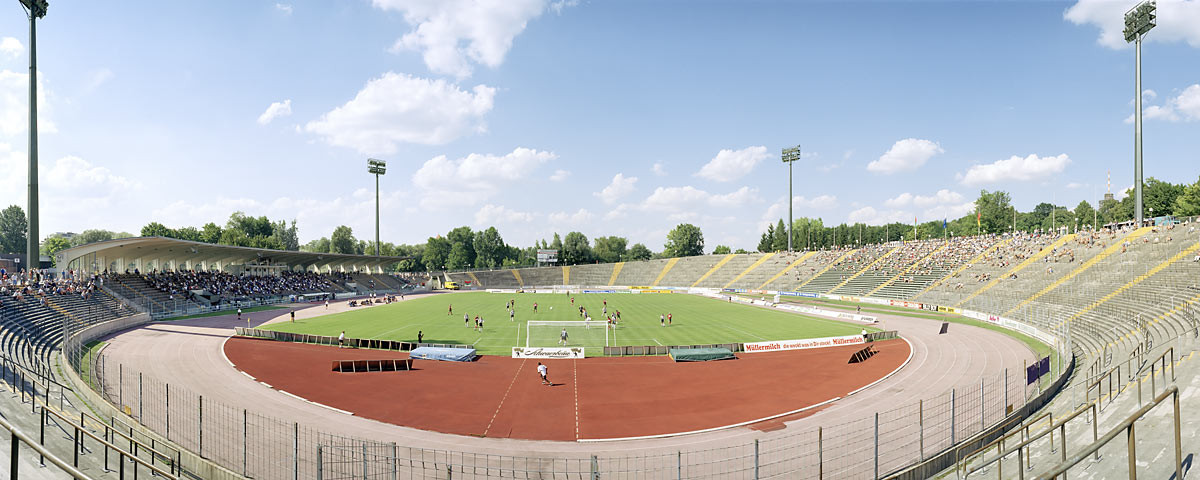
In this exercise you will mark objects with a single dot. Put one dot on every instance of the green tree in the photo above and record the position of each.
(286, 235)
(686, 240)
(13, 230)
(638, 252)
(721, 250)
(575, 249)
(155, 229)
(779, 238)
(437, 249)
(1188, 202)
(1160, 196)
(211, 233)
(187, 233)
(740, 250)
(465, 237)
(251, 226)
(609, 249)
(320, 245)
(235, 237)
(765, 241)
(91, 236)
(489, 248)
(459, 257)
(995, 210)
(52, 245)
(1085, 213)
(342, 240)
(557, 243)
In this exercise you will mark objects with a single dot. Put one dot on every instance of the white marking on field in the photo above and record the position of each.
(656, 341)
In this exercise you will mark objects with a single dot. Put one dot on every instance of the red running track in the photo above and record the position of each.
(593, 398)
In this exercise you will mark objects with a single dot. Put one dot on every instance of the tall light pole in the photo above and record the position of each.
(1138, 21)
(790, 155)
(376, 167)
(35, 9)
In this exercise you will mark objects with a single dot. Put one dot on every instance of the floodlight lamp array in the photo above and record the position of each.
(791, 154)
(378, 167)
(37, 8)
(1139, 20)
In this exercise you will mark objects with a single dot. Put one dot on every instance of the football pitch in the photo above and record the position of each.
(696, 320)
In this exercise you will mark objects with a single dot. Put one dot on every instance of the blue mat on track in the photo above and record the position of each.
(443, 354)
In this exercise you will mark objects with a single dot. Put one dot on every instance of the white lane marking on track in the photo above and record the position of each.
(575, 373)
(505, 397)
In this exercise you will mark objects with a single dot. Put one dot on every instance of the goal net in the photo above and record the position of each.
(545, 333)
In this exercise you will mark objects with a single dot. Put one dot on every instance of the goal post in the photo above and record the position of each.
(546, 333)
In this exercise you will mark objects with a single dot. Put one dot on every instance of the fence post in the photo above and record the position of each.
(921, 424)
(679, 464)
(595, 468)
(140, 416)
(200, 426)
(245, 437)
(320, 465)
(364, 460)
(168, 397)
(1006, 391)
(981, 405)
(756, 459)
(820, 454)
(876, 444)
(952, 395)
(395, 461)
(296, 451)
(121, 385)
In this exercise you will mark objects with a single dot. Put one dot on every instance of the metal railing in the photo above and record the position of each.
(17, 437)
(1127, 426)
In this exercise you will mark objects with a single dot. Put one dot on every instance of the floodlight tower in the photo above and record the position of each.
(35, 9)
(1138, 21)
(790, 155)
(376, 167)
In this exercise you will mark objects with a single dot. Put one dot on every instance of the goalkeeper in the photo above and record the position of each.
(562, 337)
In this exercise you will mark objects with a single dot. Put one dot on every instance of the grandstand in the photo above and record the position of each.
(1125, 298)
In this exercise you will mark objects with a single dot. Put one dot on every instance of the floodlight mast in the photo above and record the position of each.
(1138, 21)
(376, 167)
(35, 9)
(790, 155)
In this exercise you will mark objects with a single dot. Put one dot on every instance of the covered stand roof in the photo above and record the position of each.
(183, 250)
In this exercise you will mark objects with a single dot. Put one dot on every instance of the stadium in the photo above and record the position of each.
(985, 343)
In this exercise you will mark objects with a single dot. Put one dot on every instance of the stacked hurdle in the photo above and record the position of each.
(355, 366)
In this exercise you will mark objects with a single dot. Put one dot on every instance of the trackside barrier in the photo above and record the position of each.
(80, 432)
(1127, 427)
(880, 336)
(366, 343)
(354, 366)
(631, 350)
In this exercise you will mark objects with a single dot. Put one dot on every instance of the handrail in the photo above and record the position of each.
(962, 461)
(80, 430)
(18, 435)
(1021, 460)
(135, 445)
(1127, 426)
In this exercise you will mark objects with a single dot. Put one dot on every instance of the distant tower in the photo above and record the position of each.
(1108, 194)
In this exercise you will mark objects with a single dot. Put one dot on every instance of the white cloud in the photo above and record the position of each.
(1124, 192)
(1015, 168)
(1075, 185)
(96, 78)
(949, 211)
(490, 215)
(580, 217)
(1178, 20)
(1149, 94)
(75, 174)
(559, 175)
(276, 110)
(731, 165)
(11, 47)
(397, 108)
(14, 104)
(907, 154)
(740, 197)
(871, 216)
(470, 180)
(799, 203)
(452, 35)
(619, 187)
(1182, 107)
(942, 197)
(659, 169)
(284, 7)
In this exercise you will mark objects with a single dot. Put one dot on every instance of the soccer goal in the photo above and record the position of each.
(546, 333)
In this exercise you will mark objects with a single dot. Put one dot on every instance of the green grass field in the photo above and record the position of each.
(697, 320)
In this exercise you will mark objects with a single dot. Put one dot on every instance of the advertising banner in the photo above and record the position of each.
(781, 345)
(547, 352)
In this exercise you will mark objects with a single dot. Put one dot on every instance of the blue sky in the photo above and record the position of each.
(610, 118)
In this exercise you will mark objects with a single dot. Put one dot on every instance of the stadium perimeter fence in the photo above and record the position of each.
(260, 446)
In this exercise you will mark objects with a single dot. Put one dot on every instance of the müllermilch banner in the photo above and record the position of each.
(780, 345)
(547, 352)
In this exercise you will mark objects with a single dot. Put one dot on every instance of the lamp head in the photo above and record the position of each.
(376, 166)
(1139, 20)
(37, 8)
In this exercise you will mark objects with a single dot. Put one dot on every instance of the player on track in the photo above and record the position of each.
(542, 370)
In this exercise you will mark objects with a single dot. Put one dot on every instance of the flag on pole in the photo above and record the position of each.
(978, 218)
(943, 224)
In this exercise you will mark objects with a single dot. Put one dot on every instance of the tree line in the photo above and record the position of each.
(993, 213)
